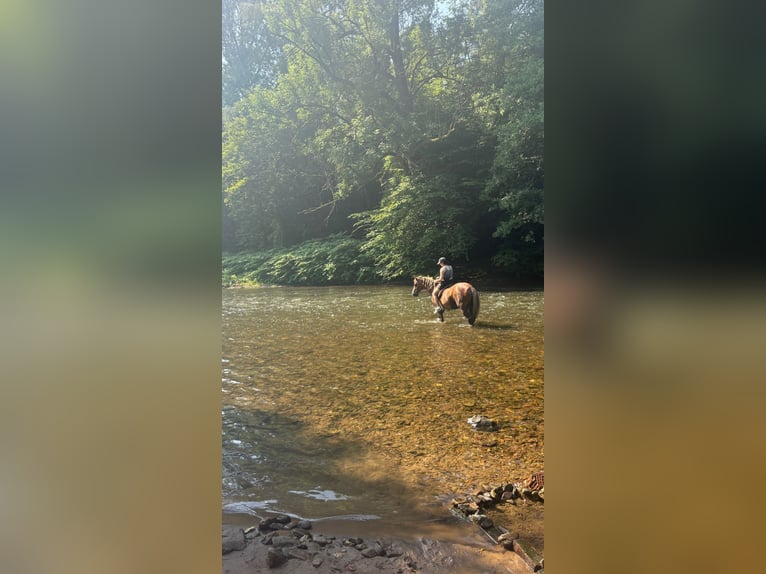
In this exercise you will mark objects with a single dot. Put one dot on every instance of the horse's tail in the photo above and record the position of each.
(474, 305)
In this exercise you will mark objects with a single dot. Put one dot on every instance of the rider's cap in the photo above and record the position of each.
(441, 260)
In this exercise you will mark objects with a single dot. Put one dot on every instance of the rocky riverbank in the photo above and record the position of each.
(294, 546)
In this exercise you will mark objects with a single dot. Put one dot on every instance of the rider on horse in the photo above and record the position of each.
(444, 280)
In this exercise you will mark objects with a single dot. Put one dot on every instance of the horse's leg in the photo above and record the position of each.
(439, 310)
(465, 304)
(472, 306)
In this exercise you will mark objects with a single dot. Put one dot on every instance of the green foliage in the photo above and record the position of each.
(336, 260)
(517, 177)
(421, 128)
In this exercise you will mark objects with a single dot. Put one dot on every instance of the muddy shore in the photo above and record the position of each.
(339, 551)
(465, 540)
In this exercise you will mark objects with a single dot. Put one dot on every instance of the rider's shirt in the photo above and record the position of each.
(445, 274)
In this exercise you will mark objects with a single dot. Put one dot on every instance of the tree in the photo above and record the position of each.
(417, 128)
(517, 178)
(250, 55)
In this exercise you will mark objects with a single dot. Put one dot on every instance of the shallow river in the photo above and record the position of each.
(352, 402)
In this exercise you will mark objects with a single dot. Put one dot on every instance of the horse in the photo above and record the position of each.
(461, 296)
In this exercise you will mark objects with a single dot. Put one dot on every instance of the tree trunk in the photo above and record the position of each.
(397, 58)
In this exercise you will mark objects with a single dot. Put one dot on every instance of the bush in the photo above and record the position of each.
(335, 260)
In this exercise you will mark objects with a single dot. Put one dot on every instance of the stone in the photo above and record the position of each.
(482, 423)
(506, 540)
(232, 539)
(370, 552)
(477, 518)
(267, 538)
(283, 518)
(321, 540)
(317, 561)
(486, 522)
(276, 526)
(304, 525)
(283, 541)
(275, 557)
(266, 524)
(394, 551)
(297, 554)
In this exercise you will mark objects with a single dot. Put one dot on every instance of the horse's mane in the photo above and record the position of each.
(428, 282)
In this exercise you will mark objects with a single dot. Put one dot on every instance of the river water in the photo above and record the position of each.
(351, 403)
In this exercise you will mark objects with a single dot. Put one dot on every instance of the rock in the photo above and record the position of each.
(266, 524)
(482, 520)
(276, 526)
(394, 551)
(283, 518)
(351, 541)
(297, 554)
(283, 541)
(482, 423)
(321, 540)
(232, 539)
(304, 525)
(487, 498)
(486, 523)
(267, 538)
(536, 481)
(317, 561)
(506, 540)
(275, 557)
(369, 552)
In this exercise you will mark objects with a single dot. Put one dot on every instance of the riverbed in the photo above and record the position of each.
(350, 405)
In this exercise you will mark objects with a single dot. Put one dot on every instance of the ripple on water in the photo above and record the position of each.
(360, 390)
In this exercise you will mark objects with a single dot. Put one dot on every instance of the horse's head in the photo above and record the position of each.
(420, 283)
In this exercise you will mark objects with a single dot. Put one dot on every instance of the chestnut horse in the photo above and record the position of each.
(461, 296)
